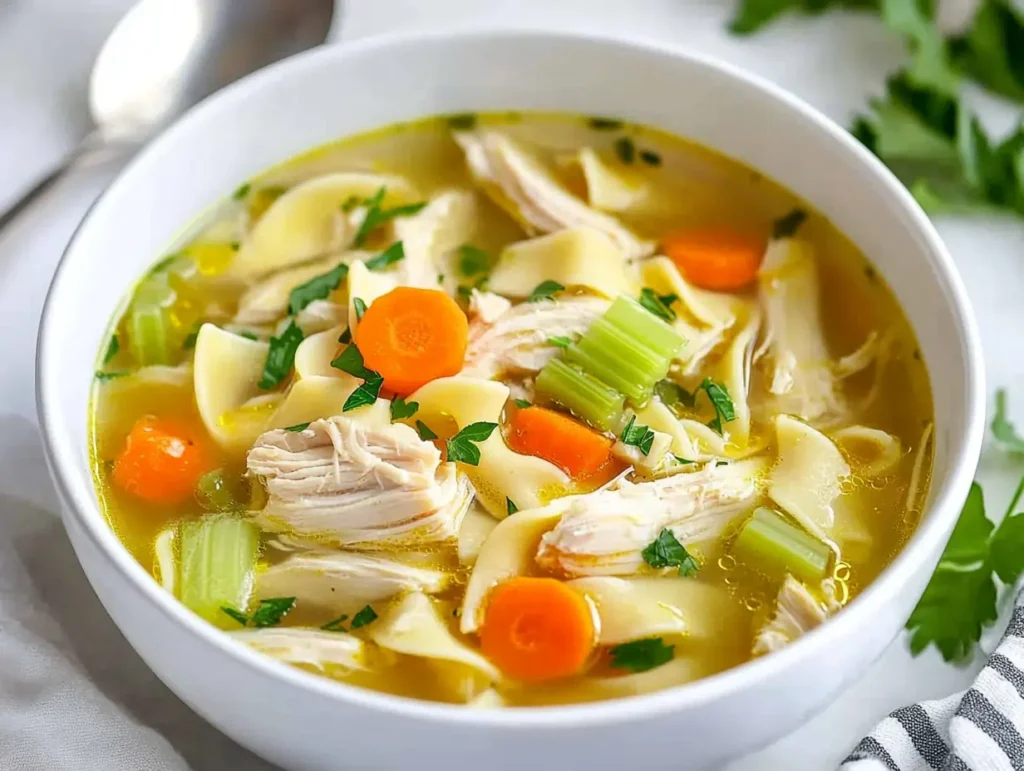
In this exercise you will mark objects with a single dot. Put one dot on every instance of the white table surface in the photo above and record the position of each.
(46, 47)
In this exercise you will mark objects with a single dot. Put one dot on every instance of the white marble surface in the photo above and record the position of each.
(46, 47)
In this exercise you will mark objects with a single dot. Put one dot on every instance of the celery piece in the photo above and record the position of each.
(626, 382)
(615, 356)
(639, 323)
(583, 395)
(149, 322)
(215, 491)
(768, 541)
(218, 557)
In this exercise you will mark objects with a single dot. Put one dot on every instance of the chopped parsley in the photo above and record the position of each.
(248, 335)
(359, 306)
(650, 157)
(298, 427)
(625, 149)
(725, 410)
(376, 215)
(401, 409)
(605, 124)
(559, 341)
(682, 461)
(350, 203)
(190, 340)
(522, 403)
(462, 447)
(281, 356)
(346, 336)
(350, 360)
(544, 291)
(786, 227)
(241, 191)
(510, 507)
(672, 393)
(659, 305)
(317, 288)
(336, 624)
(105, 376)
(1002, 429)
(391, 255)
(238, 616)
(473, 261)
(269, 613)
(424, 431)
(365, 616)
(640, 437)
(464, 121)
(666, 552)
(112, 348)
(641, 655)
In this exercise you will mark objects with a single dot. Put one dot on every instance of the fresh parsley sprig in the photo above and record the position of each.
(269, 613)
(666, 552)
(462, 447)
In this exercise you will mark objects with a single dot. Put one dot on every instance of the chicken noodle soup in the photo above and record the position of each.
(512, 410)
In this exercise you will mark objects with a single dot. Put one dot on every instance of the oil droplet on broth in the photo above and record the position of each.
(727, 562)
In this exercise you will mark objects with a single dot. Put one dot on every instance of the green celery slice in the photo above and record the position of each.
(640, 324)
(768, 541)
(617, 356)
(623, 381)
(149, 322)
(583, 395)
(215, 491)
(218, 558)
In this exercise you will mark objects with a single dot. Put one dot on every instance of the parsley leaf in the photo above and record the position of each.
(544, 291)
(190, 340)
(992, 50)
(625, 149)
(786, 227)
(103, 377)
(462, 122)
(242, 191)
(682, 461)
(377, 216)
(298, 427)
(659, 305)
(725, 410)
(391, 255)
(641, 655)
(359, 306)
(672, 393)
(424, 431)
(462, 447)
(237, 615)
(637, 436)
(271, 611)
(559, 341)
(317, 288)
(281, 356)
(473, 260)
(350, 360)
(752, 15)
(605, 124)
(522, 403)
(666, 552)
(346, 336)
(1002, 429)
(365, 394)
(401, 409)
(650, 157)
(336, 624)
(112, 348)
(510, 507)
(364, 617)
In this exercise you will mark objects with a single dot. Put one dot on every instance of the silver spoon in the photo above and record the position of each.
(166, 55)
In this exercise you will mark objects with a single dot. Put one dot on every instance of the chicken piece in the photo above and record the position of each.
(517, 341)
(604, 533)
(520, 184)
(487, 306)
(346, 483)
(327, 652)
(797, 611)
(345, 581)
(448, 221)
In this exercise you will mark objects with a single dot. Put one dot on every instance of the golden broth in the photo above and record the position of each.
(691, 187)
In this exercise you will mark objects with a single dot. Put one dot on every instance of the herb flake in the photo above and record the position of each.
(391, 255)
(336, 624)
(424, 431)
(510, 507)
(112, 348)
(625, 149)
(786, 226)
(281, 356)
(666, 552)
(298, 427)
(642, 655)
(465, 121)
(725, 410)
(637, 436)
(462, 447)
(659, 305)
(473, 261)
(605, 124)
(365, 616)
(401, 409)
(545, 290)
(317, 288)
(559, 341)
(376, 215)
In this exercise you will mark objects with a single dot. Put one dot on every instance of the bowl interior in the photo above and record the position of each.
(322, 96)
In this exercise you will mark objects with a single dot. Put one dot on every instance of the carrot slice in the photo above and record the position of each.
(579, 451)
(537, 629)
(160, 461)
(720, 260)
(412, 336)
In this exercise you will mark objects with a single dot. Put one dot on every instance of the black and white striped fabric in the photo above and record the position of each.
(981, 729)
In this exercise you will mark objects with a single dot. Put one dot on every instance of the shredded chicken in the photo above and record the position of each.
(487, 306)
(517, 341)
(604, 533)
(324, 651)
(521, 184)
(445, 223)
(344, 483)
(797, 611)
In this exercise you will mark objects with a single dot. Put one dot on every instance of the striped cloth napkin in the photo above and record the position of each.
(980, 729)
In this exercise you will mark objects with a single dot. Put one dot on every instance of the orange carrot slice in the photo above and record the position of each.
(537, 629)
(160, 461)
(721, 260)
(412, 336)
(579, 451)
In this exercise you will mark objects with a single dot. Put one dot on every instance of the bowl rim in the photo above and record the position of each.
(946, 494)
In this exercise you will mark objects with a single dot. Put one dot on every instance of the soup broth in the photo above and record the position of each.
(512, 409)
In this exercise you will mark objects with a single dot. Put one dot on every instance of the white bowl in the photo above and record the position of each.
(305, 722)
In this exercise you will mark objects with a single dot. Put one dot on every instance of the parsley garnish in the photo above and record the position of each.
(112, 348)
(544, 290)
(190, 340)
(1002, 429)
(641, 655)
(666, 552)
(650, 157)
(605, 124)
(473, 260)
(350, 203)
(625, 149)
(522, 403)
(336, 624)
(317, 288)
(238, 616)
(462, 122)
(248, 335)
(391, 255)
(359, 306)
(559, 341)
(298, 427)
(241, 191)
(364, 617)
(105, 376)
(725, 410)
(401, 409)
(377, 216)
(350, 360)
(281, 356)
(346, 336)
(672, 393)
(659, 305)
(786, 227)
(682, 461)
(269, 613)
(510, 507)
(637, 436)
(424, 431)
(462, 447)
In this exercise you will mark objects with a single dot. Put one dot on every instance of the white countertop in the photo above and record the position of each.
(46, 48)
